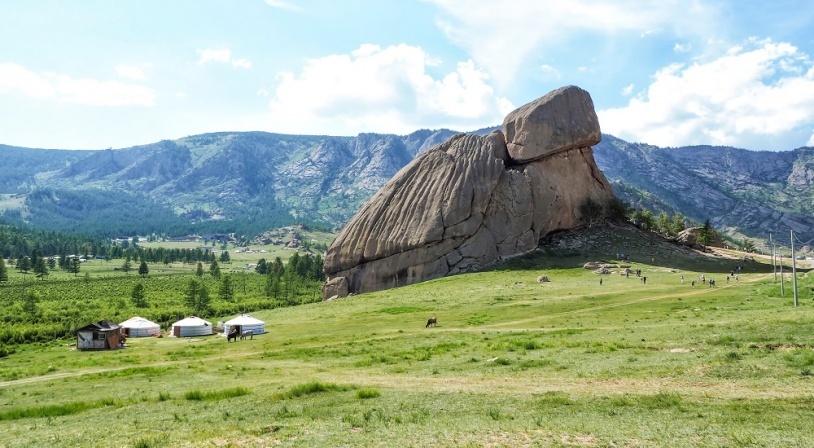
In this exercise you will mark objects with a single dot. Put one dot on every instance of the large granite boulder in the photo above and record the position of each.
(562, 120)
(469, 202)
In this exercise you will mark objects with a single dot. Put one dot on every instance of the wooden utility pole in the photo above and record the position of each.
(782, 283)
(794, 269)
(774, 265)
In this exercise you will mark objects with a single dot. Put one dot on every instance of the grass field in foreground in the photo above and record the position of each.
(512, 362)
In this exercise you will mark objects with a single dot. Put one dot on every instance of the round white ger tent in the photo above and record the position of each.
(191, 326)
(137, 327)
(244, 322)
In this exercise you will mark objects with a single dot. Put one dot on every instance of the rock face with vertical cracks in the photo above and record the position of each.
(471, 201)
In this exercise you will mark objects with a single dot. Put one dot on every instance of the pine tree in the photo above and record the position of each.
(197, 297)
(214, 269)
(262, 266)
(191, 297)
(227, 290)
(199, 270)
(40, 269)
(316, 268)
(664, 224)
(277, 267)
(646, 220)
(23, 264)
(138, 297)
(127, 265)
(74, 266)
(3, 270)
(29, 304)
(705, 234)
(143, 270)
(678, 223)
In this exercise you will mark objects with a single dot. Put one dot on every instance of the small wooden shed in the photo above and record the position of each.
(102, 335)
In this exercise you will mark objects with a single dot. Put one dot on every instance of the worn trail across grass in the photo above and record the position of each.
(512, 363)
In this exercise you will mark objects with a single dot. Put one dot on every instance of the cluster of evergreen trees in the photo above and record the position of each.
(16, 241)
(663, 223)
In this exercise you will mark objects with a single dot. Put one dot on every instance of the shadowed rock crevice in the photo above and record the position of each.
(471, 201)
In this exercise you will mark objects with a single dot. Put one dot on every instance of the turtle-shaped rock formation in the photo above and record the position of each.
(472, 201)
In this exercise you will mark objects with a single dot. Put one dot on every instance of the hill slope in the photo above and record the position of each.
(512, 362)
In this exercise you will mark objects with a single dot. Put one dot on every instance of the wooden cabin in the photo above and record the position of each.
(102, 335)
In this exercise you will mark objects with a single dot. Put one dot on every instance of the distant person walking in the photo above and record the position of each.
(682, 279)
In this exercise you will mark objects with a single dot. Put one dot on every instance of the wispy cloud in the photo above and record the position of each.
(550, 72)
(759, 95)
(627, 90)
(537, 27)
(682, 48)
(282, 5)
(132, 72)
(66, 89)
(222, 56)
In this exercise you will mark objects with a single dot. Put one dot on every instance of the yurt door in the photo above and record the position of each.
(176, 331)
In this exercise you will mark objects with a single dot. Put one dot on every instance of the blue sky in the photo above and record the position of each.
(102, 73)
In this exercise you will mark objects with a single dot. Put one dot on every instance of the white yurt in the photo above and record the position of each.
(244, 322)
(137, 327)
(191, 326)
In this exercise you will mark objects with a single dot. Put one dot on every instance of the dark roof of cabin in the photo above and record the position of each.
(102, 325)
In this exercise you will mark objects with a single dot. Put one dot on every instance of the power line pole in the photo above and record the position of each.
(782, 283)
(774, 253)
(794, 269)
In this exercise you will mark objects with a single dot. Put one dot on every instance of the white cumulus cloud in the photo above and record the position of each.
(759, 95)
(66, 89)
(14, 77)
(376, 89)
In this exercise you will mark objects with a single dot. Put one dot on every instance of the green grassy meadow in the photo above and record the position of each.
(512, 362)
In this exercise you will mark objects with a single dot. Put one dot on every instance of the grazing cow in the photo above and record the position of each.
(247, 333)
(431, 321)
(232, 335)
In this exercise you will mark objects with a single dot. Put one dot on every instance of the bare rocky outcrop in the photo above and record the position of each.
(472, 201)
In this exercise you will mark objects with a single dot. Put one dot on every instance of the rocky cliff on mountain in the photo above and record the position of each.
(474, 200)
(742, 192)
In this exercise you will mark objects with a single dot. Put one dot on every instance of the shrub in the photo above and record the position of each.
(312, 387)
(367, 393)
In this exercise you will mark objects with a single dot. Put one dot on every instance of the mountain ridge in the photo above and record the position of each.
(218, 180)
